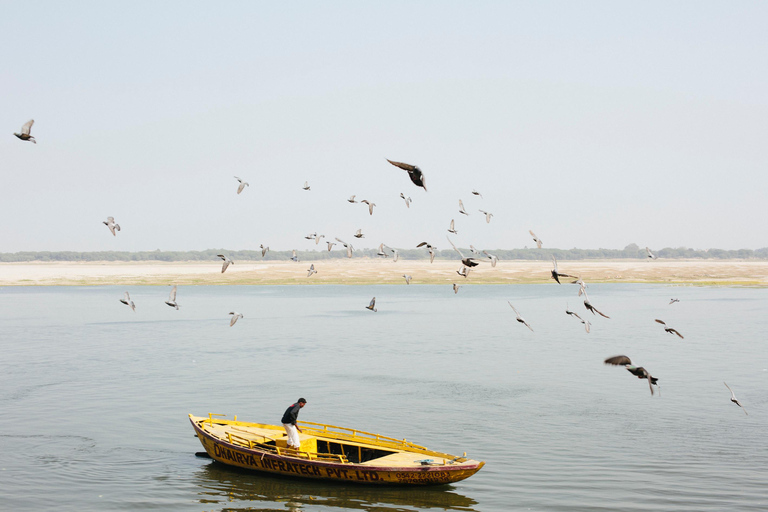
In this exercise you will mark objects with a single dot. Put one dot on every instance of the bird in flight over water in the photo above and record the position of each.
(637, 371)
(556, 274)
(417, 177)
(372, 305)
(735, 400)
(306, 185)
(127, 301)
(235, 316)
(669, 329)
(172, 298)
(520, 318)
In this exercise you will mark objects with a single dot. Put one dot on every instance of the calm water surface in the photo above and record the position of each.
(95, 397)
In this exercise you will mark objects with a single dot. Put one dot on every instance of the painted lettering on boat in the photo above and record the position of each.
(423, 476)
(247, 459)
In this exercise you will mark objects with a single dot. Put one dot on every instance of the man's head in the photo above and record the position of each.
(301, 402)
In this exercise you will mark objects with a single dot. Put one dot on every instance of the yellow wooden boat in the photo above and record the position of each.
(328, 452)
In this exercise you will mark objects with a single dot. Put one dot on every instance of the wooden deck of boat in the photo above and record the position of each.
(264, 434)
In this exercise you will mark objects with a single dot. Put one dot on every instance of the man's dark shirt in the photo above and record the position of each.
(291, 414)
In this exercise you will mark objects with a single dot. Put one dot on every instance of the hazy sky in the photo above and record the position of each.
(595, 124)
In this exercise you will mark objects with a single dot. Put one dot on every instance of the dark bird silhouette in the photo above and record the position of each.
(735, 400)
(669, 329)
(469, 262)
(476, 193)
(25, 129)
(557, 275)
(372, 305)
(592, 308)
(359, 234)
(637, 371)
(417, 177)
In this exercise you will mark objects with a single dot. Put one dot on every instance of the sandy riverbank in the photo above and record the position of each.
(375, 271)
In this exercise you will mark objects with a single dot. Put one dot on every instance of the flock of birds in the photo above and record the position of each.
(467, 264)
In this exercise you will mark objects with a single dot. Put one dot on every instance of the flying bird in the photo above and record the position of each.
(461, 208)
(295, 256)
(235, 317)
(520, 318)
(473, 250)
(381, 252)
(359, 234)
(311, 236)
(407, 278)
(243, 184)
(349, 247)
(582, 285)
(476, 193)
(637, 371)
(491, 257)
(351, 199)
(172, 298)
(372, 305)
(406, 199)
(330, 245)
(469, 262)
(110, 223)
(417, 177)
(127, 301)
(306, 186)
(556, 275)
(672, 301)
(487, 216)
(587, 325)
(431, 250)
(650, 254)
(669, 329)
(370, 205)
(456, 288)
(592, 308)
(317, 239)
(263, 250)
(227, 262)
(535, 239)
(395, 252)
(734, 399)
(452, 229)
(463, 271)
(311, 270)
(24, 135)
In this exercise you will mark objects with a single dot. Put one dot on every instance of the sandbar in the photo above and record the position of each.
(358, 271)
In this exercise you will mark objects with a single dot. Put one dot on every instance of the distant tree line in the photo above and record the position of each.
(632, 251)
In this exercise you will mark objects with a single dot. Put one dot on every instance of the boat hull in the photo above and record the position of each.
(258, 460)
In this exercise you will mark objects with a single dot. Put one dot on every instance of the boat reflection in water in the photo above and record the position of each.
(220, 483)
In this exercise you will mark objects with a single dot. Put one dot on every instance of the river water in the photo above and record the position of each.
(95, 397)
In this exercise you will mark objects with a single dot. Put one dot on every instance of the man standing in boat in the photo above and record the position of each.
(289, 423)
